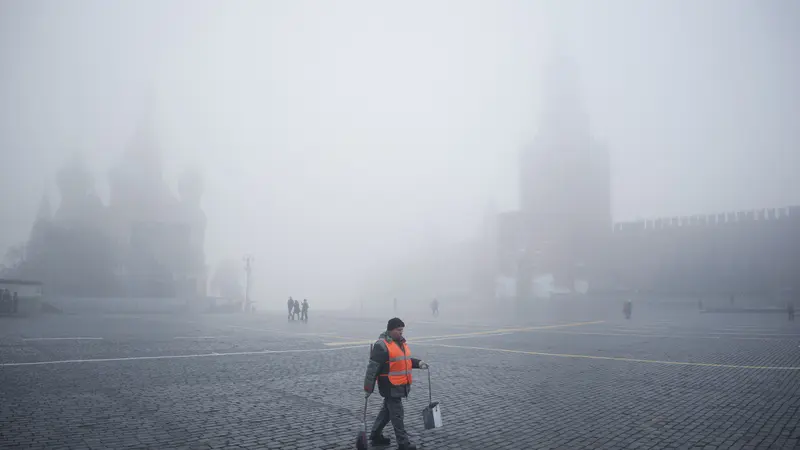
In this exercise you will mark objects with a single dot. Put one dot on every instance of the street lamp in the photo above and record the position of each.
(248, 260)
(523, 278)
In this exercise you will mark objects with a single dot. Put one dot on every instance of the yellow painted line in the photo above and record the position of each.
(507, 330)
(453, 324)
(675, 336)
(63, 339)
(476, 333)
(613, 358)
(464, 337)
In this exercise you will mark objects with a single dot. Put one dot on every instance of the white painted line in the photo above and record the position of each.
(745, 333)
(649, 335)
(63, 339)
(200, 337)
(201, 355)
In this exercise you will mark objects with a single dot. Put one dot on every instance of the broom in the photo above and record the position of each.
(361, 438)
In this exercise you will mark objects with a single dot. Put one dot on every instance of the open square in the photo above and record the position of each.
(681, 380)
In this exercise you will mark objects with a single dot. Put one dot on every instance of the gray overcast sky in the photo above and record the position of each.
(332, 133)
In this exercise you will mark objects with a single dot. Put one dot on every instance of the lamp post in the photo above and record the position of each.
(523, 278)
(248, 260)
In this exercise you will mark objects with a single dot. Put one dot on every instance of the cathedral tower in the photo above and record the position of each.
(565, 184)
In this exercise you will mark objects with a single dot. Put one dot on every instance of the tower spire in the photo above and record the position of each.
(144, 147)
(563, 113)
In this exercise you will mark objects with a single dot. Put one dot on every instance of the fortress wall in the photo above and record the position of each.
(743, 252)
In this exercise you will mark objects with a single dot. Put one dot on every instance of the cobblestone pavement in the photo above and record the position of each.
(677, 380)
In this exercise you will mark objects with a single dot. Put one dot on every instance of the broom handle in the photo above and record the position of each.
(430, 394)
(366, 400)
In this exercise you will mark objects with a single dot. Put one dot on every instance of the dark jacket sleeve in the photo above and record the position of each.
(377, 358)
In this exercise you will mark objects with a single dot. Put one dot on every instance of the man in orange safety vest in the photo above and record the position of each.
(390, 362)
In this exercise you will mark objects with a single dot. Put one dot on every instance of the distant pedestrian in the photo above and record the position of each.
(5, 301)
(15, 304)
(304, 311)
(296, 311)
(290, 305)
(627, 309)
(435, 307)
(790, 310)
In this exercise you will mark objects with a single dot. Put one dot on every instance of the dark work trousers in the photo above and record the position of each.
(392, 410)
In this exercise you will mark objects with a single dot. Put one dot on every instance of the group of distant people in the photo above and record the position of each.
(297, 311)
(9, 303)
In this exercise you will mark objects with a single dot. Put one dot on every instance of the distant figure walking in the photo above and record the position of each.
(290, 305)
(5, 301)
(790, 311)
(435, 307)
(627, 309)
(304, 311)
(296, 311)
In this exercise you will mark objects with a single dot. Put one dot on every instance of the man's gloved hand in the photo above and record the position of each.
(423, 365)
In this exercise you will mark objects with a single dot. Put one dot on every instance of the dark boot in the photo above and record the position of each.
(408, 446)
(379, 439)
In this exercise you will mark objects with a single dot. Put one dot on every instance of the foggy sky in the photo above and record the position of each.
(335, 136)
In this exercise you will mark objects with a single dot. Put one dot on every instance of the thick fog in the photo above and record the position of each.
(341, 139)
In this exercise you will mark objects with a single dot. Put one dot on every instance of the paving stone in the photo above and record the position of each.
(312, 399)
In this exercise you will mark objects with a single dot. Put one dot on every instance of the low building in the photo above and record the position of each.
(20, 297)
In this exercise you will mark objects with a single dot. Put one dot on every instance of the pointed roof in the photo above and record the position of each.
(144, 148)
(137, 181)
(563, 111)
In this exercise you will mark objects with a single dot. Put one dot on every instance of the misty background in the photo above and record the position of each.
(336, 137)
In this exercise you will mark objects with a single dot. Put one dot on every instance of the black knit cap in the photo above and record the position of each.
(394, 323)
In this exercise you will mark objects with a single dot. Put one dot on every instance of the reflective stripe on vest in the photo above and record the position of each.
(399, 364)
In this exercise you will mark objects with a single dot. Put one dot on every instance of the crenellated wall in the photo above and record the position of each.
(753, 252)
(710, 219)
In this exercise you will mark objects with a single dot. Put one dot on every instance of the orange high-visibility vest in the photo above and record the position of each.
(399, 364)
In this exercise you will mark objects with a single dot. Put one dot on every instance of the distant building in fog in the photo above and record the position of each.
(564, 226)
(564, 222)
(147, 242)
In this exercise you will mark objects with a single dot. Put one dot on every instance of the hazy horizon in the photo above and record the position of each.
(336, 137)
